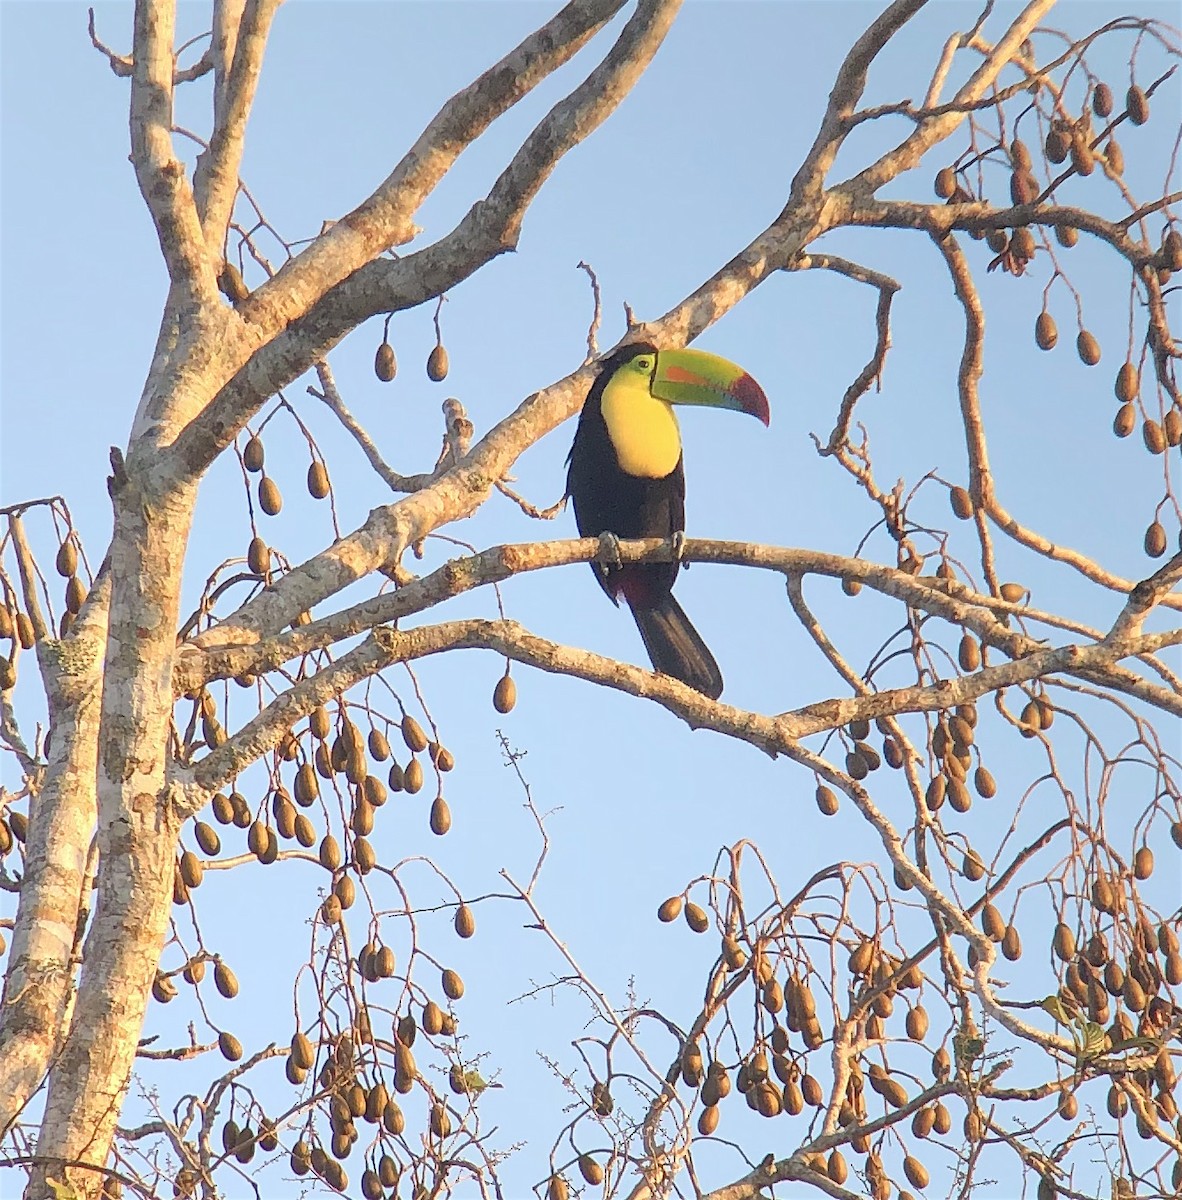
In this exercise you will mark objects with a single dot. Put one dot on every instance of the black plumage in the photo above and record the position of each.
(609, 500)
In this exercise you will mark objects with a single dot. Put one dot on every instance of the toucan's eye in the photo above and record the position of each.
(644, 364)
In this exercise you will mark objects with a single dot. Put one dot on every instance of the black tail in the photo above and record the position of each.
(676, 648)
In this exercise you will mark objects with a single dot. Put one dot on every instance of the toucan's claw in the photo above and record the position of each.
(678, 540)
(608, 553)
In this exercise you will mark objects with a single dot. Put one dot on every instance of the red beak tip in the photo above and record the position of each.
(750, 396)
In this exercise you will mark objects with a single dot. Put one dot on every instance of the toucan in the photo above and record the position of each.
(626, 478)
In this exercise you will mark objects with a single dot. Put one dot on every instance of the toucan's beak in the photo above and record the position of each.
(696, 377)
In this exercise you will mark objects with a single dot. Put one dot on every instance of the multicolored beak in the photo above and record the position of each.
(697, 377)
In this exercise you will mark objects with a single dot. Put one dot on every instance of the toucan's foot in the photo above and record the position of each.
(608, 553)
(678, 540)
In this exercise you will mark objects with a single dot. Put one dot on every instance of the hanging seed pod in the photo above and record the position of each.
(992, 923)
(437, 364)
(253, 455)
(7, 674)
(318, 485)
(1024, 187)
(670, 909)
(379, 747)
(75, 595)
(968, 653)
(696, 918)
(997, 240)
(413, 735)
(1137, 105)
(1011, 944)
(258, 556)
(1102, 100)
(225, 981)
(191, 870)
(1082, 158)
(1114, 156)
(412, 777)
(385, 365)
(1087, 348)
(1143, 862)
(453, 985)
(1045, 332)
(24, 630)
(230, 1046)
(465, 921)
(1125, 421)
(590, 1170)
(945, 185)
(827, 800)
(1172, 427)
(1022, 245)
(1128, 383)
(1058, 144)
(231, 284)
(270, 498)
(505, 694)
(961, 501)
(1153, 436)
(66, 562)
(440, 816)
(1155, 540)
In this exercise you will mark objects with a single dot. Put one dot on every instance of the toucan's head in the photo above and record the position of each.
(688, 377)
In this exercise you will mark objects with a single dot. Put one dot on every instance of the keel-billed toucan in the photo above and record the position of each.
(626, 478)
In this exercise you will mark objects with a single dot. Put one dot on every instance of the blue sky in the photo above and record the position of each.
(696, 162)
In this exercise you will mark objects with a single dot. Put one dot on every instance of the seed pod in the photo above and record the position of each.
(959, 498)
(465, 921)
(440, 816)
(945, 185)
(453, 985)
(230, 1046)
(270, 498)
(670, 909)
(916, 1172)
(67, 559)
(163, 989)
(1022, 245)
(1066, 235)
(412, 777)
(992, 923)
(1125, 421)
(590, 1170)
(1024, 187)
(371, 1185)
(379, 747)
(413, 735)
(862, 957)
(1046, 334)
(695, 918)
(1011, 944)
(708, 1121)
(505, 694)
(917, 1023)
(385, 365)
(1137, 105)
(936, 791)
(191, 870)
(442, 757)
(1172, 427)
(1143, 862)
(364, 856)
(225, 981)
(345, 891)
(1153, 436)
(318, 485)
(1102, 100)
(253, 455)
(1082, 158)
(258, 556)
(437, 364)
(1087, 348)
(1114, 156)
(1155, 540)
(75, 595)
(1058, 144)
(1128, 383)
(827, 800)
(997, 240)
(330, 909)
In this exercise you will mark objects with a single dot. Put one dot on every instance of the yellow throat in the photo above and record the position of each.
(643, 430)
